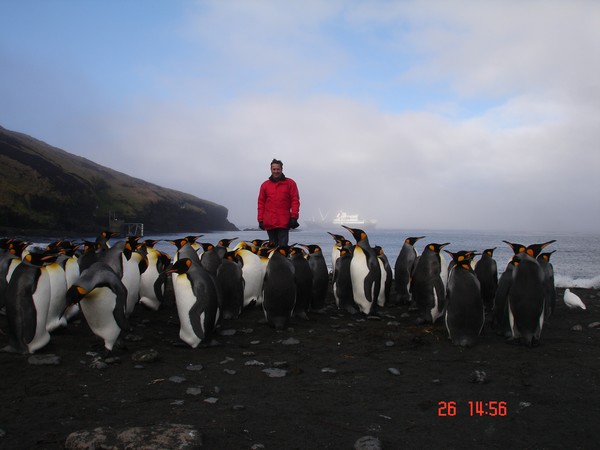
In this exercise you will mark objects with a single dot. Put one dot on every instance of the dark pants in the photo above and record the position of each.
(279, 236)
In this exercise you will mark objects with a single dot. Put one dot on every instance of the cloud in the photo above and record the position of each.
(421, 114)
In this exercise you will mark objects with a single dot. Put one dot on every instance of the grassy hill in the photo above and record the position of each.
(45, 189)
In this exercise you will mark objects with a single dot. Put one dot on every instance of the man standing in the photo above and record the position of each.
(278, 205)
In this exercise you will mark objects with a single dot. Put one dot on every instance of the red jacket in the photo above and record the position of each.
(278, 201)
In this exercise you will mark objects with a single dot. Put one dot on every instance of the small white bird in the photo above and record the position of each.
(572, 300)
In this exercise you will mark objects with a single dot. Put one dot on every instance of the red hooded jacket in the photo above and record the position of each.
(278, 201)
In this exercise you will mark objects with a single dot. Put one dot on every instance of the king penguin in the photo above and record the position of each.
(223, 246)
(335, 249)
(342, 282)
(526, 300)
(231, 282)
(500, 319)
(365, 272)
(386, 276)
(58, 291)
(429, 283)
(8, 262)
(279, 289)
(404, 267)
(320, 276)
(27, 304)
(102, 297)
(486, 270)
(158, 261)
(197, 300)
(133, 264)
(544, 260)
(464, 313)
(252, 273)
(500, 322)
(303, 277)
(211, 258)
(527, 296)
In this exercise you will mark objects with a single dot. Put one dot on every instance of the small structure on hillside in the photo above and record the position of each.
(124, 228)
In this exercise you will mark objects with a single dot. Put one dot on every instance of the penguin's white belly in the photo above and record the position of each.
(41, 301)
(58, 291)
(358, 272)
(147, 280)
(131, 280)
(185, 299)
(71, 271)
(97, 307)
(253, 281)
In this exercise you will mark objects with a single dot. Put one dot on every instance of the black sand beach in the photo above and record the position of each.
(345, 377)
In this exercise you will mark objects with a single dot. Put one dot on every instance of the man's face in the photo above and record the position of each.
(276, 170)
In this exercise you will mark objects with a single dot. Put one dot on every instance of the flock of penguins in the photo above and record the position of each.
(41, 289)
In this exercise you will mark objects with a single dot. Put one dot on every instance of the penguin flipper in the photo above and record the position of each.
(441, 295)
(119, 311)
(159, 287)
(196, 320)
(29, 320)
(368, 287)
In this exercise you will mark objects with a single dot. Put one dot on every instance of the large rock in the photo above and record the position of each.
(164, 436)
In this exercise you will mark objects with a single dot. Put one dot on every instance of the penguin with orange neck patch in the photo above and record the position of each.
(27, 305)
(464, 313)
(403, 269)
(102, 297)
(279, 289)
(486, 270)
(365, 272)
(197, 300)
(527, 296)
(429, 283)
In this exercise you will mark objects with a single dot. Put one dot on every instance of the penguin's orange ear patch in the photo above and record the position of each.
(431, 247)
(81, 291)
(188, 263)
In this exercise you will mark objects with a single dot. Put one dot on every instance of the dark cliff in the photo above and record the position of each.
(45, 189)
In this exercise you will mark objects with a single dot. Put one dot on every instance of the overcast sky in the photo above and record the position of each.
(420, 114)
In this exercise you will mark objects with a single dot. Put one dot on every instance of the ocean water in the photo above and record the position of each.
(576, 259)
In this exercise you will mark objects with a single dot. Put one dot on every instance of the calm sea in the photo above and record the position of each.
(576, 260)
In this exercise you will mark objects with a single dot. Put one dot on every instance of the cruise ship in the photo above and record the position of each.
(342, 218)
